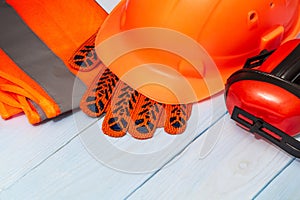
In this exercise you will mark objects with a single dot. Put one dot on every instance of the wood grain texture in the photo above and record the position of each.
(24, 146)
(238, 168)
(72, 172)
(285, 185)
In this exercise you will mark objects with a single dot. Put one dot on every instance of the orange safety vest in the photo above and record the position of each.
(37, 39)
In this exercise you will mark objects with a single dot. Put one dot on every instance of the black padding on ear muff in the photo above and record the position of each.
(289, 68)
(249, 74)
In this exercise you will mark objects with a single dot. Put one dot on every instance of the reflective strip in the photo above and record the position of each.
(37, 60)
(39, 110)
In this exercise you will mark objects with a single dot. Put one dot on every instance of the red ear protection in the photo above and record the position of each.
(263, 97)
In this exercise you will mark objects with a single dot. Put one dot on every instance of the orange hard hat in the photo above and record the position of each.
(183, 51)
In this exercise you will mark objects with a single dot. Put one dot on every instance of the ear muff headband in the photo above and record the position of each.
(289, 68)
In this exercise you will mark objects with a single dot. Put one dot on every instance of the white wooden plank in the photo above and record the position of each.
(108, 5)
(237, 168)
(285, 186)
(74, 173)
(23, 146)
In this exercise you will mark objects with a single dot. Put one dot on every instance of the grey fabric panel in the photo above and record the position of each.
(39, 110)
(37, 60)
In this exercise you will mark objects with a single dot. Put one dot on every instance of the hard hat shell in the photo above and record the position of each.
(227, 32)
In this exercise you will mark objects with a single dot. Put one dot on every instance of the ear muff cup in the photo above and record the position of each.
(267, 103)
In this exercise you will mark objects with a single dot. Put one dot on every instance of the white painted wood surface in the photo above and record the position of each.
(237, 168)
(285, 185)
(23, 146)
(72, 172)
(71, 159)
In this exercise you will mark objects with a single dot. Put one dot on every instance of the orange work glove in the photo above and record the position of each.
(126, 109)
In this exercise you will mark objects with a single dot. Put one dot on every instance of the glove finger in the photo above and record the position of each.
(145, 118)
(97, 97)
(176, 118)
(117, 118)
(85, 57)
